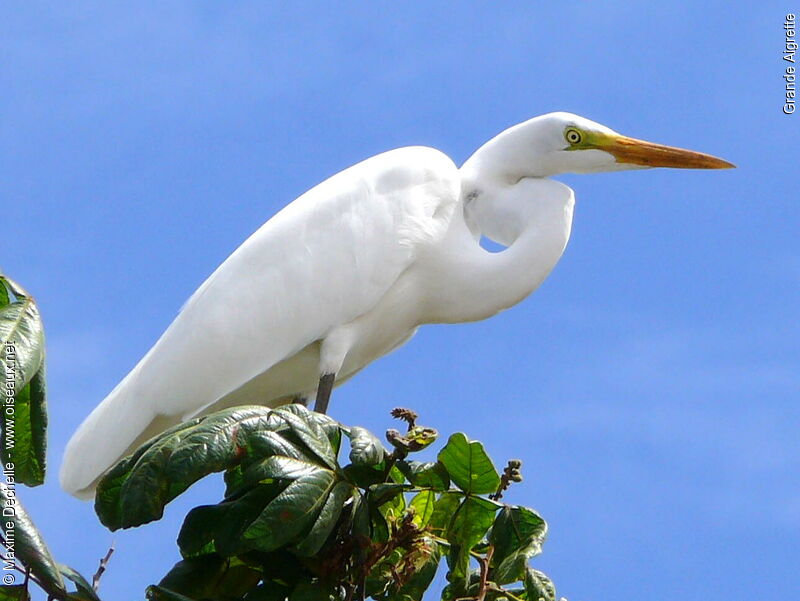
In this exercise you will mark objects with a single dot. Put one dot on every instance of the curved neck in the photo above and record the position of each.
(533, 217)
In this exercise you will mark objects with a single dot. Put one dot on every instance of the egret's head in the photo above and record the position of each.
(588, 147)
(566, 143)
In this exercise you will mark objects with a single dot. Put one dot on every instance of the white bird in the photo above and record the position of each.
(348, 272)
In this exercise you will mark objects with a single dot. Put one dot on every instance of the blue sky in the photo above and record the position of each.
(650, 386)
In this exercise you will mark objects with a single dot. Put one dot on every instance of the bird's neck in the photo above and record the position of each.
(532, 217)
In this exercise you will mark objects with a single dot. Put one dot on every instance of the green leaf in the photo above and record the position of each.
(365, 476)
(395, 475)
(21, 336)
(469, 525)
(425, 475)
(360, 517)
(31, 550)
(469, 466)
(14, 592)
(393, 508)
(423, 504)
(305, 425)
(209, 577)
(234, 482)
(326, 521)
(292, 513)
(84, 589)
(25, 432)
(136, 490)
(538, 587)
(199, 529)
(5, 295)
(386, 491)
(518, 534)
(279, 466)
(516, 528)
(378, 527)
(157, 593)
(443, 511)
(22, 380)
(365, 448)
(220, 528)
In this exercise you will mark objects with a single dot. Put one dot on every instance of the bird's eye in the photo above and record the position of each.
(573, 136)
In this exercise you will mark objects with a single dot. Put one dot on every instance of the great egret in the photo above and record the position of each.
(348, 272)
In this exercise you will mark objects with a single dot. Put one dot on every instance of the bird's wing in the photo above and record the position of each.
(322, 261)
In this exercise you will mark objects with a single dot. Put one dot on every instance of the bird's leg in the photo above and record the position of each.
(324, 392)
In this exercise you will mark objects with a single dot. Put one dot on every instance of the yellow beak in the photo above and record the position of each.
(648, 154)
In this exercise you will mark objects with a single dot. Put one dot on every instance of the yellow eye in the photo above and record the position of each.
(573, 136)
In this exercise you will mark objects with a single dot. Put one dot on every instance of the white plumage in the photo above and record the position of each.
(346, 273)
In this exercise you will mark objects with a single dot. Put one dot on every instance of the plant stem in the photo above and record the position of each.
(485, 562)
(101, 568)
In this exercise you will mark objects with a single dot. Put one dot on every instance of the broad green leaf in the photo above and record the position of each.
(333, 429)
(25, 432)
(136, 490)
(423, 503)
(359, 512)
(386, 491)
(5, 297)
(210, 577)
(365, 448)
(234, 482)
(239, 515)
(31, 550)
(84, 589)
(469, 466)
(425, 475)
(395, 475)
(157, 593)
(22, 380)
(199, 529)
(538, 586)
(21, 337)
(390, 504)
(365, 476)
(292, 513)
(514, 529)
(469, 525)
(14, 592)
(378, 526)
(279, 466)
(443, 511)
(518, 535)
(326, 521)
(306, 426)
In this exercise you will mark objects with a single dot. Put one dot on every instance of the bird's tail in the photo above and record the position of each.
(115, 428)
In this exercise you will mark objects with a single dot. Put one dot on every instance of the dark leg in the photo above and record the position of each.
(324, 392)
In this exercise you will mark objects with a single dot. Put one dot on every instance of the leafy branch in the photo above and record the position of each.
(296, 522)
